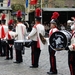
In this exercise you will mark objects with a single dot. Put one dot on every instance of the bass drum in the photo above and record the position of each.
(60, 40)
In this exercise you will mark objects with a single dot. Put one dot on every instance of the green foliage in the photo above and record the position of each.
(16, 7)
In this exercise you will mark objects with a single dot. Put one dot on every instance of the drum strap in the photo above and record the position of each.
(9, 37)
(51, 32)
(2, 33)
(73, 33)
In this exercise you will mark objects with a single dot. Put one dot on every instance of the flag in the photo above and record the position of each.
(8, 3)
(26, 3)
(33, 2)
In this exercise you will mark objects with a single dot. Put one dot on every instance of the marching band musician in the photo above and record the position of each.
(10, 36)
(71, 52)
(53, 28)
(4, 30)
(34, 35)
(0, 39)
(21, 31)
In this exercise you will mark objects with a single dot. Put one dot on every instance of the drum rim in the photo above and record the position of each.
(21, 41)
(67, 32)
(60, 49)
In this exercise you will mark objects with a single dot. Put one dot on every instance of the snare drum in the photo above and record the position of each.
(59, 40)
(18, 44)
(28, 43)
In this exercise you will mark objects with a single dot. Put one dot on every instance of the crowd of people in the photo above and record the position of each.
(11, 32)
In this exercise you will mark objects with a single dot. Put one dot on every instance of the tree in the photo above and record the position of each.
(16, 7)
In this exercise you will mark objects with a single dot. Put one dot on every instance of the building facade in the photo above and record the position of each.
(4, 8)
(50, 4)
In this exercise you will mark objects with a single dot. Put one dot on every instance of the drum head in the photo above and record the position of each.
(58, 41)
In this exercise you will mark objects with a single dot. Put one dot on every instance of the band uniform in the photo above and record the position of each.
(10, 37)
(21, 31)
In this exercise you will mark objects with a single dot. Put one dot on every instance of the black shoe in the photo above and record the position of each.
(2, 55)
(17, 62)
(51, 73)
(33, 66)
(10, 58)
(7, 59)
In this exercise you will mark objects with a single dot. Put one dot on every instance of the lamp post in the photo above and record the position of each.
(41, 11)
(27, 9)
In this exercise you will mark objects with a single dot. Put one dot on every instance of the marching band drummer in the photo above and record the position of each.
(0, 39)
(21, 31)
(53, 28)
(4, 30)
(36, 46)
(10, 36)
(71, 52)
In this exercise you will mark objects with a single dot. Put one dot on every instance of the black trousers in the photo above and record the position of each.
(52, 58)
(0, 47)
(3, 48)
(9, 52)
(35, 54)
(19, 56)
(71, 62)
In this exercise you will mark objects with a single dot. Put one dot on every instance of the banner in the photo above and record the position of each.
(8, 3)
(26, 3)
(33, 2)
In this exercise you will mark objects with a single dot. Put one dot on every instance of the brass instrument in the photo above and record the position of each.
(42, 38)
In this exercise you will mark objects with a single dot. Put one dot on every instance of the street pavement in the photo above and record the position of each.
(7, 67)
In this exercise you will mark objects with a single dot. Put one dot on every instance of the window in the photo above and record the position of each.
(1, 0)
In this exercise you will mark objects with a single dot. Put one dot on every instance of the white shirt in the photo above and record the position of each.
(21, 31)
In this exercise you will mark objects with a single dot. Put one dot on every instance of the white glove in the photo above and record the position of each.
(27, 37)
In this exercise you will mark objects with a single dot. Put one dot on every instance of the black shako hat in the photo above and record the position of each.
(19, 15)
(37, 14)
(54, 18)
(10, 24)
(3, 18)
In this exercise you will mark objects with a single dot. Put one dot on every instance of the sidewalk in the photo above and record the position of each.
(7, 67)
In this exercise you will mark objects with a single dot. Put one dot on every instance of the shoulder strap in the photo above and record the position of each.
(9, 37)
(73, 33)
(2, 32)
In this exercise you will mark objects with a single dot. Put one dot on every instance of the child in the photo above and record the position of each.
(10, 40)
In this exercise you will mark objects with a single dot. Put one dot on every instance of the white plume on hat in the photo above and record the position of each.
(69, 21)
(52, 21)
